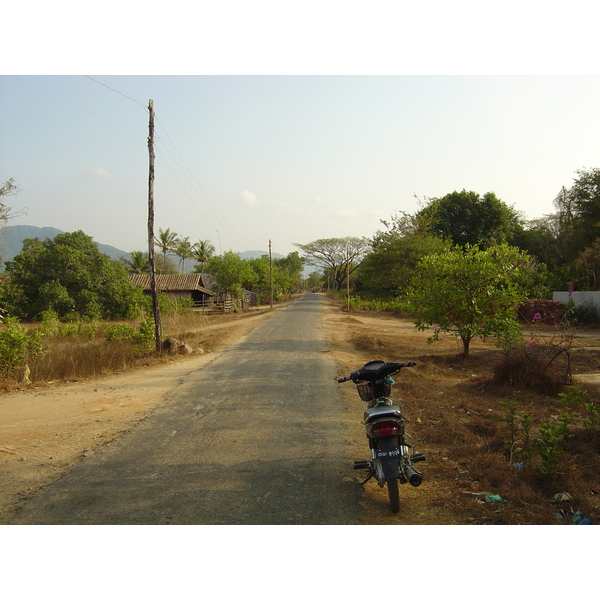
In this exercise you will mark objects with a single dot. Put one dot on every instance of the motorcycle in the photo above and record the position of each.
(392, 458)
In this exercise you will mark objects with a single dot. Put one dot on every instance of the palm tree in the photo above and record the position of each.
(183, 250)
(202, 251)
(137, 263)
(166, 241)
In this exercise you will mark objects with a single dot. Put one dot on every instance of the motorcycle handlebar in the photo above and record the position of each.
(400, 366)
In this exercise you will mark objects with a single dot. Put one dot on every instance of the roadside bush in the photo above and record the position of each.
(543, 362)
(18, 347)
(142, 337)
(357, 303)
(581, 314)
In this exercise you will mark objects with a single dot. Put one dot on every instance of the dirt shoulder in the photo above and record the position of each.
(44, 431)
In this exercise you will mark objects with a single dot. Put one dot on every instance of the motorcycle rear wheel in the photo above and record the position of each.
(393, 494)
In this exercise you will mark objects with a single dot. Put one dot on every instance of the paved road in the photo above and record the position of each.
(254, 437)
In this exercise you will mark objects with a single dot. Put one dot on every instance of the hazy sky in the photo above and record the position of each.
(242, 159)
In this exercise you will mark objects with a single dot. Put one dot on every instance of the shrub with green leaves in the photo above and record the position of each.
(548, 444)
(143, 336)
(17, 347)
(470, 293)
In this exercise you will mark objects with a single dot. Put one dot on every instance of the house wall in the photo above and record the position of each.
(590, 299)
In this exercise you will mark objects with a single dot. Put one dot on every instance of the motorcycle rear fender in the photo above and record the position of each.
(380, 411)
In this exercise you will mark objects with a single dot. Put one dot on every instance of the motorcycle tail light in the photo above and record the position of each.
(385, 429)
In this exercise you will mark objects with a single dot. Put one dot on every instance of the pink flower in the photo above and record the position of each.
(537, 317)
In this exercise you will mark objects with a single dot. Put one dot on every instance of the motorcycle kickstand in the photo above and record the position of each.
(367, 477)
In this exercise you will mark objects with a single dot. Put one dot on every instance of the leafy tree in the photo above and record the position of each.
(540, 238)
(184, 251)
(166, 242)
(165, 266)
(387, 270)
(315, 280)
(468, 218)
(231, 273)
(469, 292)
(341, 255)
(286, 274)
(289, 271)
(137, 263)
(202, 252)
(584, 198)
(292, 264)
(69, 275)
(588, 265)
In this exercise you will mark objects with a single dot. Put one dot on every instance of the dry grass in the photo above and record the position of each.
(78, 355)
(457, 419)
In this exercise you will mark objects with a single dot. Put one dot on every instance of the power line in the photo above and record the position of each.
(117, 91)
(223, 222)
(183, 188)
(240, 237)
(75, 105)
(214, 208)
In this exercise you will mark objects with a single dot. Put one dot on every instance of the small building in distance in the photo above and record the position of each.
(189, 286)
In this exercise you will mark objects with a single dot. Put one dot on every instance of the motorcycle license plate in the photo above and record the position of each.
(393, 453)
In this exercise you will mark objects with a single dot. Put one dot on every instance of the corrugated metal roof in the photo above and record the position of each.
(172, 283)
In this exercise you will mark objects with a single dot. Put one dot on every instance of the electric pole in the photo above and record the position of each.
(271, 274)
(153, 287)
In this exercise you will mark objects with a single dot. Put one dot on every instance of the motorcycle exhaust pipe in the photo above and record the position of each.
(414, 477)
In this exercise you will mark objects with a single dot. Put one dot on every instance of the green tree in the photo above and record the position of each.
(137, 263)
(387, 270)
(202, 252)
(315, 280)
(341, 255)
(469, 292)
(231, 273)
(584, 199)
(290, 271)
(468, 218)
(166, 242)
(184, 251)
(588, 266)
(69, 275)
(542, 238)
(286, 275)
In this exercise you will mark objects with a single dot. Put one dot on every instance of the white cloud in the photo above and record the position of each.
(249, 198)
(346, 214)
(99, 173)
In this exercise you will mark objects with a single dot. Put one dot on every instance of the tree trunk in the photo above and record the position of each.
(466, 343)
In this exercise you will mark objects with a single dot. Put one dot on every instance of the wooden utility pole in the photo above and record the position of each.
(348, 277)
(270, 274)
(153, 287)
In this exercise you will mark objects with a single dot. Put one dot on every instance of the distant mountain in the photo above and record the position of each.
(12, 236)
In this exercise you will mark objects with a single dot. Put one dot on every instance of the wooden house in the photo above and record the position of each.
(189, 286)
